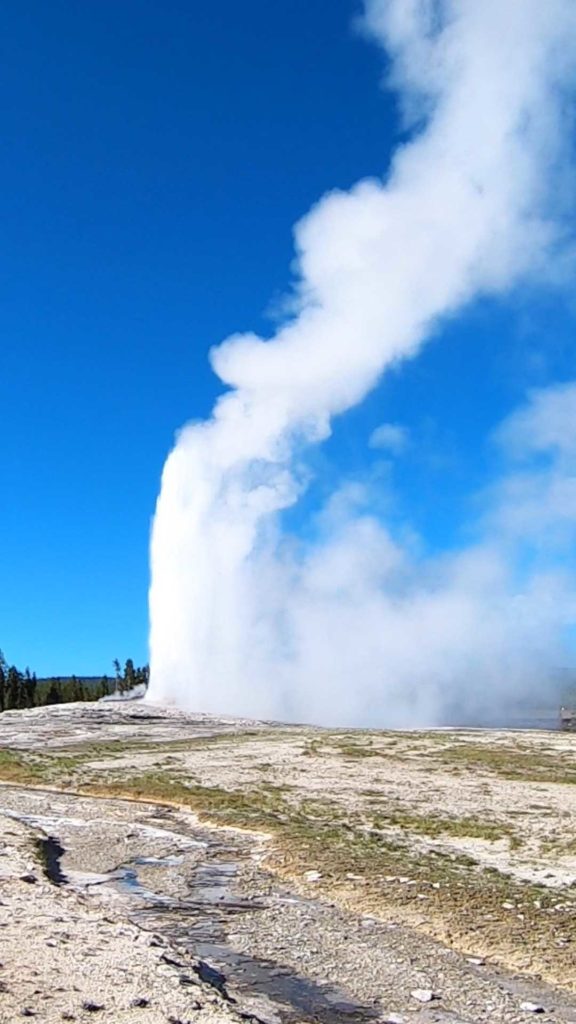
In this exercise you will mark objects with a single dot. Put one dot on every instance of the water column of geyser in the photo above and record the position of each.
(351, 627)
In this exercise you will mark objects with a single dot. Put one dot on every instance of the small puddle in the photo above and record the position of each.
(126, 880)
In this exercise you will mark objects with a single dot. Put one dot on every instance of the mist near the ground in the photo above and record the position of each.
(357, 624)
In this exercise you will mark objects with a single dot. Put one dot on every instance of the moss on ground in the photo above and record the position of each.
(18, 768)
(514, 762)
(435, 826)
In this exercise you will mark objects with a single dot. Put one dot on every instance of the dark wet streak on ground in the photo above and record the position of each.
(51, 852)
(198, 925)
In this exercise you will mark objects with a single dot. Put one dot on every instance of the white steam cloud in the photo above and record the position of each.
(354, 626)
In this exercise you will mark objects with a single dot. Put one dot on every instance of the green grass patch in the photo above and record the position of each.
(436, 826)
(510, 762)
(16, 767)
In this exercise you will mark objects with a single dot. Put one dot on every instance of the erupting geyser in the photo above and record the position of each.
(353, 626)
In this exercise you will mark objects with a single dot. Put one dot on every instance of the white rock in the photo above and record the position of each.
(478, 961)
(312, 876)
(423, 995)
(532, 1007)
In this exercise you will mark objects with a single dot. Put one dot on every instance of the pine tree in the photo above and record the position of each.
(54, 694)
(3, 675)
(29, 689)
(14, 688)
(76, 689)
(104, 687)
(129, 675)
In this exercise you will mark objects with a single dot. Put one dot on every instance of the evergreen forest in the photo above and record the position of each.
(23, 689)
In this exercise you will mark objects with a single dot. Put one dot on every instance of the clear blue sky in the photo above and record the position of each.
(154, 157)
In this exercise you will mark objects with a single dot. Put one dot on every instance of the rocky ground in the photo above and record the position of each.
(161, 867)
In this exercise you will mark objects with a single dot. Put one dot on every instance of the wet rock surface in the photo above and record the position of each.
(122, 910)
(163, 914)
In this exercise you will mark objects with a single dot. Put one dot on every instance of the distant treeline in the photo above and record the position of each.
(24, 689)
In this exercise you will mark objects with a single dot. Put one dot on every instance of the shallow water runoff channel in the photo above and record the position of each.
(180, 881)
(204, 896)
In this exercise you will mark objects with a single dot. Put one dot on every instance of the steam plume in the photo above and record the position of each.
(355, 627)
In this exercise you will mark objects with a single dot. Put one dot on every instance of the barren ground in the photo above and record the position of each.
(323, 875)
